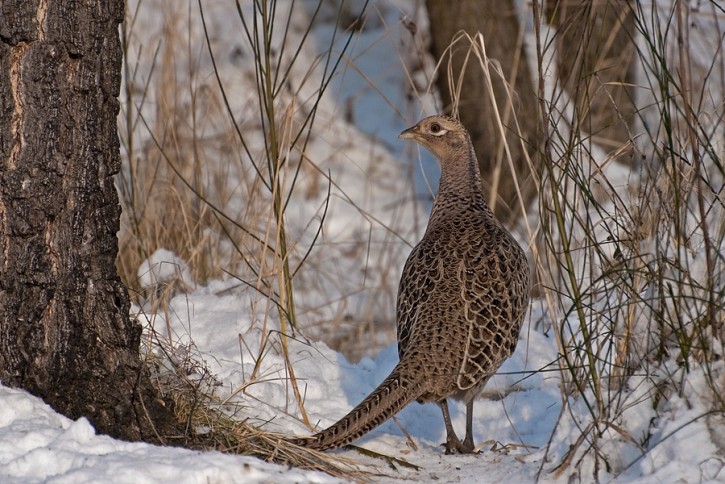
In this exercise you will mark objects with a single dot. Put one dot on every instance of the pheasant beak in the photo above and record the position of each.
(410, 133)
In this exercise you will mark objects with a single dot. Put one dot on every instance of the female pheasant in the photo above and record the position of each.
(461, 301)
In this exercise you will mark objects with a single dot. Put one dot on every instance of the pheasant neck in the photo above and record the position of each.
(460, 182)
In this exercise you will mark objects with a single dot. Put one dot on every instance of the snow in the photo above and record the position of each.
(38, 445)
(524, 424)
(162, 267)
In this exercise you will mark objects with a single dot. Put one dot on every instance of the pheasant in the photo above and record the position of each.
(461, 300)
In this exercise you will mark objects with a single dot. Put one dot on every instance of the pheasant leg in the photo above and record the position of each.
(468, 441)
(453, 444)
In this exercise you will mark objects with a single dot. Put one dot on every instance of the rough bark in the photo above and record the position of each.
(499, 24)
(65, 332)
(596, 63)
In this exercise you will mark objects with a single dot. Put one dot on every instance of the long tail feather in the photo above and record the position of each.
(394, 393)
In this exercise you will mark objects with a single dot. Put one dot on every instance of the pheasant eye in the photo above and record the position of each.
(435, 128)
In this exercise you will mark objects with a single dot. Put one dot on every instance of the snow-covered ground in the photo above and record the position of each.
(513, 422)
(523, 423)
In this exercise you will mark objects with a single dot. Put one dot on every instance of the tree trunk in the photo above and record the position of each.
(595, 60)
(499, 24)
(65, 332)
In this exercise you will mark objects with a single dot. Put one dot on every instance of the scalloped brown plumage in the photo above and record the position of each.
(461, 301)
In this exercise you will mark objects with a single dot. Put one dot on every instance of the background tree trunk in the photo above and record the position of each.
(65, 332)
(595, 60)
(498, 22)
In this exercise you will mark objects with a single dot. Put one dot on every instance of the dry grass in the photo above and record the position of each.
(212, 424)
(177, 178)
(200, 181)
(629, 254)
(633, 251)
(211, 166)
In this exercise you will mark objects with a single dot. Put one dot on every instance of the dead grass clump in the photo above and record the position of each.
(214, 425)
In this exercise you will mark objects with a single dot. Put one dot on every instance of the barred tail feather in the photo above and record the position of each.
(394, 393)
